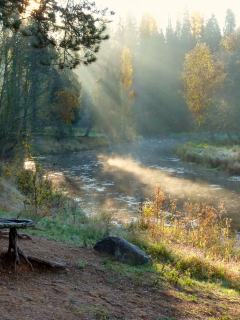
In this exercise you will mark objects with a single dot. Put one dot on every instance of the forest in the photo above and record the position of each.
(152, 81)
(40, 45)
(75, 70)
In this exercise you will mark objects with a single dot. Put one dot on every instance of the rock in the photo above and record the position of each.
(123, 250)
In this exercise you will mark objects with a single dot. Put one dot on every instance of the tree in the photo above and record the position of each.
(65, 111)
(196, 24)
(202, 75)
(70, 34)
(228, 110)
(231, 42)
(125, 84)
(187, 39)
(230, 22)
(148, 26)
(33, 42)
(212, 34)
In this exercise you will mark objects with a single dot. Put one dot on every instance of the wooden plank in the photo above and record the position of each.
(16, 223)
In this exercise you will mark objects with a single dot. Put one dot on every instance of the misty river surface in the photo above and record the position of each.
(115, 178)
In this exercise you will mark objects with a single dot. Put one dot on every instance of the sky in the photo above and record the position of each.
(173, 9)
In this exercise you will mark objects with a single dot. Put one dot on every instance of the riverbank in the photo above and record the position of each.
(46, 145)
(219, 155)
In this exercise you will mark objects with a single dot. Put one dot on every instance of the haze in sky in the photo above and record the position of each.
(172, 9)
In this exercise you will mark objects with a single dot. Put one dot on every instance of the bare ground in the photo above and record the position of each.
(92, 291)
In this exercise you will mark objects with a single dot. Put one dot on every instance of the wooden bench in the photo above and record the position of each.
(13, 225)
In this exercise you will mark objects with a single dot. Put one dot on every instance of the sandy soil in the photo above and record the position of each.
(91, 292)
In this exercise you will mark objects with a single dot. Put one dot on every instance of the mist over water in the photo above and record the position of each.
(116, 178)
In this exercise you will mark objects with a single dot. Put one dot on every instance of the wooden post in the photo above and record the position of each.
(13, 244)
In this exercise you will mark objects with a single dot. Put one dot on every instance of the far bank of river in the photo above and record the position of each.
(223, 157)
(117, 178)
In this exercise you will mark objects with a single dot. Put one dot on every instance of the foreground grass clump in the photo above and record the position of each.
(75, 227)
(198, 225)
(221, 154)
(196, 243)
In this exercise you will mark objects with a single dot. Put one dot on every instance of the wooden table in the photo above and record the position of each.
(14, 224)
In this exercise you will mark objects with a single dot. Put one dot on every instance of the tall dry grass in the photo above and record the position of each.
(196, 226)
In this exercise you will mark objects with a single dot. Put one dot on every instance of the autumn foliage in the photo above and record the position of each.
(231, 42)
(202, 75)
(65, 107)
(126, 68)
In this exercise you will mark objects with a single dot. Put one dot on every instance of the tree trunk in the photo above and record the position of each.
(230, 137)
(88, 131)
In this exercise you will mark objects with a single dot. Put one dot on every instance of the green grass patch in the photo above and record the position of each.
(220, 154)
(46, 145)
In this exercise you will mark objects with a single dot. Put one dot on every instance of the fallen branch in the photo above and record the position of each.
(24, 256)
(46, 262)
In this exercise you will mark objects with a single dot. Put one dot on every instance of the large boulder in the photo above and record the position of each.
(123, 250)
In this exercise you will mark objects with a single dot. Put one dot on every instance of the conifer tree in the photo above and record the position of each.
(230, 22)
(212, 34)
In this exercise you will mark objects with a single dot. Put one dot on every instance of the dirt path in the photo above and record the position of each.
(89, 291)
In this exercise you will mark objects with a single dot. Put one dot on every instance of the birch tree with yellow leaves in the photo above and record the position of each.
(203, 73)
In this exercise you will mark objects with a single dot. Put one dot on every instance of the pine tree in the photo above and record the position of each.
(212, 34)
(230, 22)
(73, 31)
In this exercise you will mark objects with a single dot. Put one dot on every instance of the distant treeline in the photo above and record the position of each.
(154, 61)
(145, 80)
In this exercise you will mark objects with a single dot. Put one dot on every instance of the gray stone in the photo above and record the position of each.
(123, 250)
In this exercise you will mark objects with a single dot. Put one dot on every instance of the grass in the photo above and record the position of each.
(81, 264)
(84, 231)
(46, 145)
(98, 312)
(220, 154)
(194, 245)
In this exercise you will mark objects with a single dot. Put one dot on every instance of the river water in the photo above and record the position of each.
(116, 178)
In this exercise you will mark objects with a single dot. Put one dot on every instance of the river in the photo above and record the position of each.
(116, 178)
